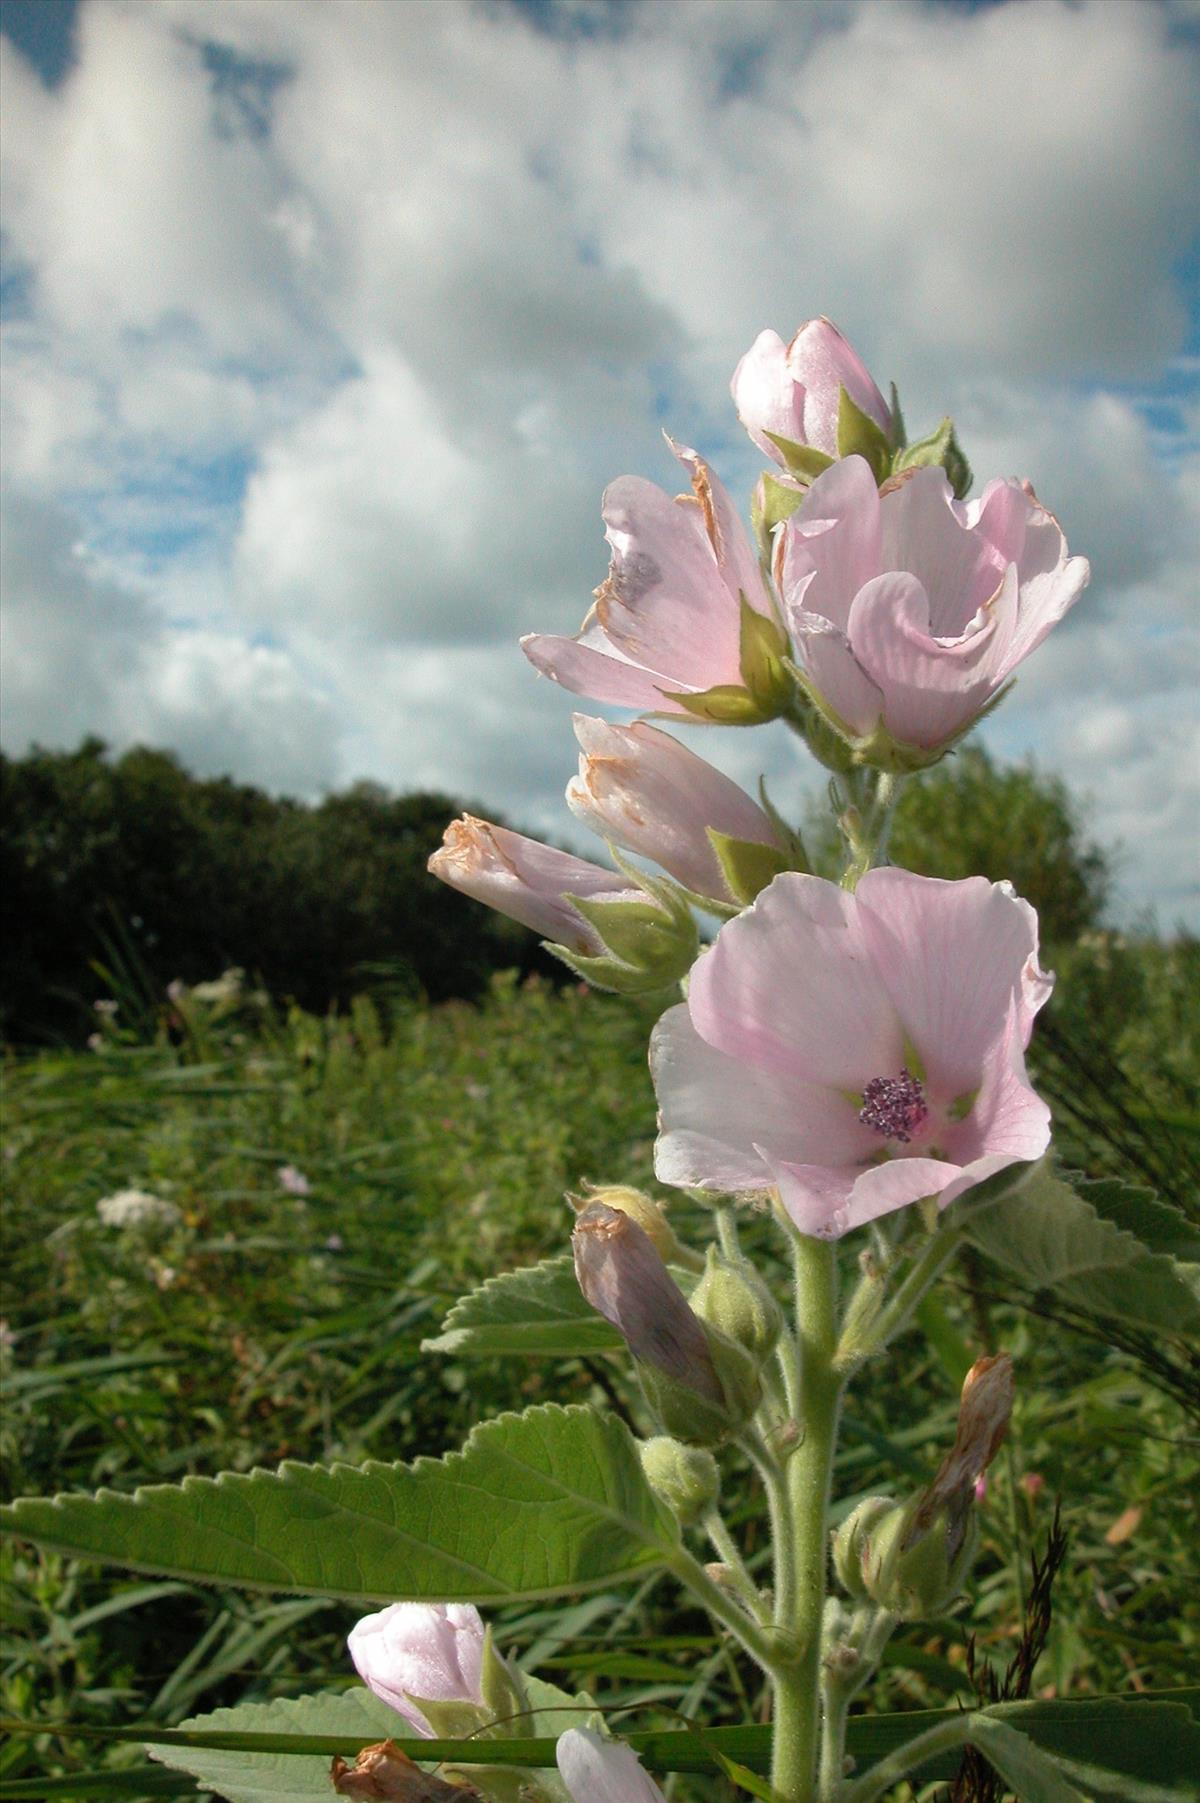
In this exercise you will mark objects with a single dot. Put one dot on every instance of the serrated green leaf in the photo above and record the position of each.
(1051, 1237)
(535, 1505)
(1159, 1225)
(354, 1716)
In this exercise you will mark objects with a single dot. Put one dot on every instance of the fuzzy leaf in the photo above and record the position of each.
(539, 1312)
(534, 1505)
(1052, 1237)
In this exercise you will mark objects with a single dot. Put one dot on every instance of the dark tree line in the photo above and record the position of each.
(135, 863)
(132, 861)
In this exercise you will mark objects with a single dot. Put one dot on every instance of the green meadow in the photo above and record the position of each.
(436, 1145)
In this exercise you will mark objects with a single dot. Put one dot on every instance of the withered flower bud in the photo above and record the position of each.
(983, 1416)
(624, 1279)
(382, 1772)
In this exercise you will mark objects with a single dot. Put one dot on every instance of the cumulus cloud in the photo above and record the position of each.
(329, 322)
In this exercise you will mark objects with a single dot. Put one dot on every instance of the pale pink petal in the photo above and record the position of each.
(601, 675)
(932, 687)
(824, 363)
(1051, 582)
(924, 531)
(767, 397)
(952, 956)
(428, 1650)
(823, 653)
(525, 880)
(733, 553)
(666, 604)
(832, 544)
(1007, 1119)
(595, 1770)
(715, 1112)
(789, 986)
(644, 790)
(828, 1204)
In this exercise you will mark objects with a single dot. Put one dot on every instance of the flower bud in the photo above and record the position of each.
(685, 1477)
(912, 1558)
(732, 1297)
(851, 1540)
(595, 1770)
(418, 1655)
(623, 1277)
(650, 1216)
(699, 1384)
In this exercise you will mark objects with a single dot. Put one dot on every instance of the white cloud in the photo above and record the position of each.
(339, 315)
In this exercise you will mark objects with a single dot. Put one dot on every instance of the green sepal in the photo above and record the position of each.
(787, 836)
(747, 865)
(899, 435)
(858, 435)
(691, 1418)
(763, 647)
(940, 447)
(803, 461)
(727, 704)
(772, 502)
(502, 1691)
(650, 940)
(455, 1719)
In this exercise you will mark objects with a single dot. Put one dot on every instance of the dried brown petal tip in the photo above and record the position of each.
(383, 1772)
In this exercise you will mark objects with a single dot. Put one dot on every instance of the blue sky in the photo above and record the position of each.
(326, 323)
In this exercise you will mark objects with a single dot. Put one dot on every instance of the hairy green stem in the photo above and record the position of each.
(758, 1640)
(730, 1554)
(801, 1560)
(902, 1305)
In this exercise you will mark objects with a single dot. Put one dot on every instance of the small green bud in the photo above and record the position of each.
(732, 1297)
(912, 1558)
(685, 1477)
(851, 1539)
(915, 1572)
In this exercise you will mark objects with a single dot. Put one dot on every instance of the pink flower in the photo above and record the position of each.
(909, 610)
(432, 1651)
(525, 880)
(293, 1180)
(645, 791)
(595, 1770)
(856, 1052)
(667, 620)
(794, 390)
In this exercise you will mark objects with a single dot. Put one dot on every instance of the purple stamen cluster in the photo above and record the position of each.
(894, 1106)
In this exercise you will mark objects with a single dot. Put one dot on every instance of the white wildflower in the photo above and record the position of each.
(137, 1208)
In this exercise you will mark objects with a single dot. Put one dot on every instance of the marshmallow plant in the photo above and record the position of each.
(846, 1061)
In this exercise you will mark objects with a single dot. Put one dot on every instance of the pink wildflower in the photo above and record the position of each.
(527, 881)
(909, 610)
(794, 390)
(595, 1770)
(856, 1052)
(644, 790)
(430, 1651)
(667, 619)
